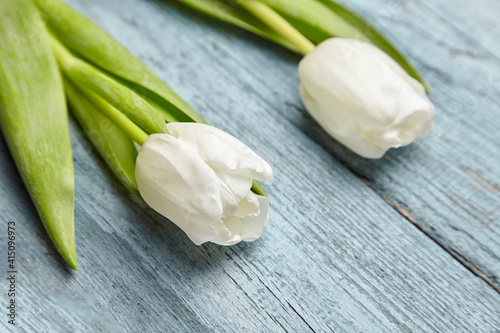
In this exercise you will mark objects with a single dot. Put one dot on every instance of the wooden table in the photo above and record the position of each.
(406, 243)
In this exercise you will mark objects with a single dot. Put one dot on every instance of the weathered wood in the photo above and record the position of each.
(336, 256)
(448, 184)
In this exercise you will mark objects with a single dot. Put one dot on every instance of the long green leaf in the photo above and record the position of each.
(94, 45)
(117, 150)
(322, 19)
(316, 19)
(230, 12)
(118, 95)
(100, 64)
(34, 120)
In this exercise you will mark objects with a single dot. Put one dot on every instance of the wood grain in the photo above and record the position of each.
(447, 184)
(335, 258)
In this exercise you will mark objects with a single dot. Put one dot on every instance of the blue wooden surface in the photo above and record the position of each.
(339, 255)
(448, 184)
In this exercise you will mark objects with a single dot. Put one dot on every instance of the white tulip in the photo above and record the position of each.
(200, 178)
(363, 98)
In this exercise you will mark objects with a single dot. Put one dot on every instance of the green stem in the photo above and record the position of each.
(276, 22)
(65, 58)
(133, 131)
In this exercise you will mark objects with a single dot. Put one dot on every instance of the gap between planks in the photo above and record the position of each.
(401, 209)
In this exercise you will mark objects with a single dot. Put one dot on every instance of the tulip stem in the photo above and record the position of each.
(276, 22)
(134, 132)
(64, 58)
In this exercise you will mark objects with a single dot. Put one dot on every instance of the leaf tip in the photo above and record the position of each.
(70, 257)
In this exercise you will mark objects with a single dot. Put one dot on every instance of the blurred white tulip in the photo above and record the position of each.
(363, 98)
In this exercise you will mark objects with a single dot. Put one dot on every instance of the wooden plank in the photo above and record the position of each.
(448, 184)
(335, 257)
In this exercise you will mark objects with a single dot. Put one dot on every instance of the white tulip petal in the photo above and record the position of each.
(234, 187)
(224, 235)
(233, 224)
(175, 182)
(248, 207)
(362, 97)
(201, 179)
(218, 147)
(361, 146)
(253, 226)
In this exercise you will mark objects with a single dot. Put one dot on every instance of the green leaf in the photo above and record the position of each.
(118, 95)
(95, 62)
(322, 19)
(34, 121)
(316, 19)
(231, 12)
(115, 147)
(92, 44)
(257, 188)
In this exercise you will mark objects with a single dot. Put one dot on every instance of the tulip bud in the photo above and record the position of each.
(363, 98)
(200, 178)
